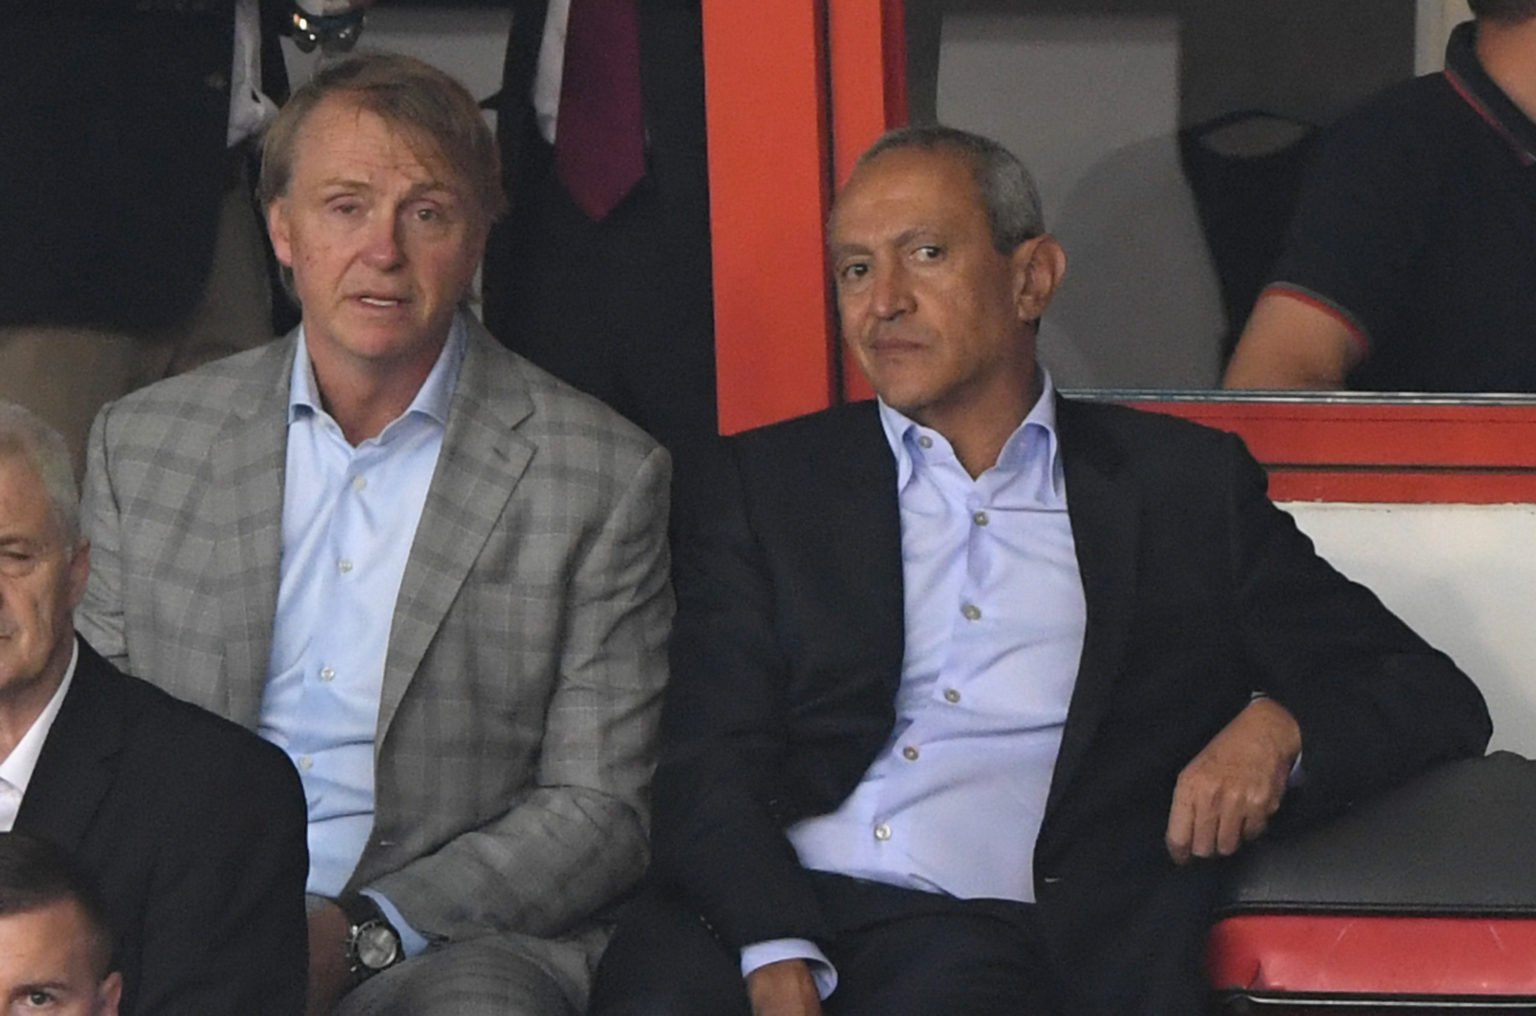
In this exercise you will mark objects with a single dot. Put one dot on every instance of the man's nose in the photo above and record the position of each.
(891, 291)
(381, 243)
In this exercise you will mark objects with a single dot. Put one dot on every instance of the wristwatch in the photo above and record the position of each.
(373, 944)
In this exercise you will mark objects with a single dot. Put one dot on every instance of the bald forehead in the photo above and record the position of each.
(952, 170)
(905, 189)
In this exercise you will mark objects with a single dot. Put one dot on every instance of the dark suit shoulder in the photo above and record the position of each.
(1165, 447)
(206, 749)
(812, 429)
(1134, 425)
(194, 829)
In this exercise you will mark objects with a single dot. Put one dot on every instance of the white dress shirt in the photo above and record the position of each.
(349, 519)
(16, 770)
(994, 622)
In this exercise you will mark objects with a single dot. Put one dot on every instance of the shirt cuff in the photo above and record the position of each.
(411, 941)
(760, 954)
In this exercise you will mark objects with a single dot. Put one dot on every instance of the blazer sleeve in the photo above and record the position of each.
(577, 837)
(99, 617)
(1375, 702)
(719, 836)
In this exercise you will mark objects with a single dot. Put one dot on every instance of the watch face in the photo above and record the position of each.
(377, 946)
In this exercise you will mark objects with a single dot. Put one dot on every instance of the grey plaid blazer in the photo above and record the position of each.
(526, 660)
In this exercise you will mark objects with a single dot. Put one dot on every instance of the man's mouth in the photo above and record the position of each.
(894, 344)
(380, 301)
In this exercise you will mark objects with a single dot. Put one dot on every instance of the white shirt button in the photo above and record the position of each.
(951, 696)
(925, 441)
(359, 482)
(971, 612)
(344, 566)
(909, 753)
(980, 518)
(327, 673)
(882, 832)
(306, 763)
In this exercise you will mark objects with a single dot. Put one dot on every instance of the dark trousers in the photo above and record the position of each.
(897, 952)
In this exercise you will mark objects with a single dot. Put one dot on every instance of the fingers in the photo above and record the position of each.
(1217, 807)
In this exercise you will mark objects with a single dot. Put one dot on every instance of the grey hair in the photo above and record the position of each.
(23, 432)
(1008, 192)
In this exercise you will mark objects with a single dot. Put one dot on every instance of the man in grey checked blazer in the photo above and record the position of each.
(526, 646)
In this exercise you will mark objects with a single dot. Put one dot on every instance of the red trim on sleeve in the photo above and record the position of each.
(1356, 330)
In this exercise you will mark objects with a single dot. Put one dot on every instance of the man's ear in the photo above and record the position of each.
(79, 573)
(278, 229)
(109, 995)
(1039, 264)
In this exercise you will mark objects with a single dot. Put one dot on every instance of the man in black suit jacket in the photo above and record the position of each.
(621, 307)
(192, 828)
(1210, 649)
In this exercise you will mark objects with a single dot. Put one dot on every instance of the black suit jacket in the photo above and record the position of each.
(112, 155)
(787, 656)
(194, 830)
(622, 308)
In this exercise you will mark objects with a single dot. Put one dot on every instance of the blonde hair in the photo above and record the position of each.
(426, 104)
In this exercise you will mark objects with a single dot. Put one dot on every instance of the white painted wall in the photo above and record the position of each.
(1463, 576)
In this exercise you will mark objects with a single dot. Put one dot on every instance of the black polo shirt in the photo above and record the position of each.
(1417, 229)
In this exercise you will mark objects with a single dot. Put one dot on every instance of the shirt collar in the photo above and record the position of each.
(18, 766)
(1487, 99)
(432, 400)
(907, 438)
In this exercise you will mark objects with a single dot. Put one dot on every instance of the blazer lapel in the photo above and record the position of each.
(1104, 509)
(248, 463)
(866, 516)
(77, 765)
(480, 463)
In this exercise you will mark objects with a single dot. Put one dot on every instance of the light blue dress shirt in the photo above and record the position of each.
(349, 518)
(994, 615)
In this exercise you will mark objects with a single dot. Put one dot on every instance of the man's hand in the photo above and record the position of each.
(327, 959)
(1226, 796)
(785, 988)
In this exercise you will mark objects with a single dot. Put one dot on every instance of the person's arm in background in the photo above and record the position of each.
(1292, 343)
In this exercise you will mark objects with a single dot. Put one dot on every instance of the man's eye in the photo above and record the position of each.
(16, 562)
(929, 252)
(854, 271)
(39, 999)
(428, 215)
